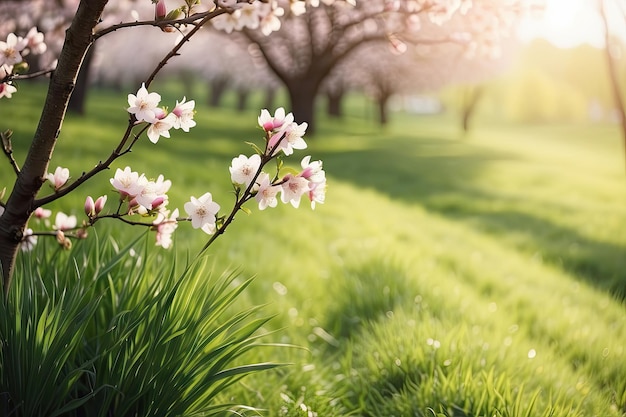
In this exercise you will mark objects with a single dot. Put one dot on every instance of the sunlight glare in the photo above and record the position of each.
(566, 24)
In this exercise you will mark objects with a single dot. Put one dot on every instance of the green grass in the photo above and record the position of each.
(473, 276)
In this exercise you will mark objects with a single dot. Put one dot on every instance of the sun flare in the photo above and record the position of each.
(566, 23)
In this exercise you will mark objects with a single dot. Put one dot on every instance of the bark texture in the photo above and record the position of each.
(21, 202)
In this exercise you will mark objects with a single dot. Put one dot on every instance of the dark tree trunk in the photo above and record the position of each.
(383, 109)
(242, 99)
(270, 98)
(335, 100)
(188, 80)
(302, 95)
(79, 96)
(20, 204)
(217, 88)
(471, 97)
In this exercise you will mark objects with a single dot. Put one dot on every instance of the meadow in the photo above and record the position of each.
(446, 275)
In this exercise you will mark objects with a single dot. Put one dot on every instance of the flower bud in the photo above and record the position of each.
(99, 204)
(157, 202)
(90, 207)
(160, 11)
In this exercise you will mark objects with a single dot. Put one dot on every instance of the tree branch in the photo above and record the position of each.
(162, 23)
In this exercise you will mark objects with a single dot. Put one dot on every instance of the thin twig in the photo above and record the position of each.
(7, 148)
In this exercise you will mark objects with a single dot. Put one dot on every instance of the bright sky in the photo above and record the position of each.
(567, 23)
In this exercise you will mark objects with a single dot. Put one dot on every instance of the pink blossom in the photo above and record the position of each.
(243, 169)
(64, 222)
(266, 194)
(126, 183)
(202, 212)
(7, 90)
(42, 213)
(312, 171)
(317, 193)
(10, 50)
(269, 123)
(288, 138)
(143, 105)
(161, 127)
(293, 188)
(165, 227)
(36, 44)
(59, 178)
(184, 112)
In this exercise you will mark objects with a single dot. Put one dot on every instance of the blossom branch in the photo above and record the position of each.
(163, 23)
(100, 166)
(31, 75)
(267, 156)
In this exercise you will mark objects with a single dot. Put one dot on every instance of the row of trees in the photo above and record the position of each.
(379, 47)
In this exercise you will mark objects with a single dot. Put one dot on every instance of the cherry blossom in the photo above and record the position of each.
(202, 212)
(35, 42)
(42, 213)
(248, 17)
(161, 126)
(266, 194)
(165, 228)
(152, 193)
(144, 105)
(10, 50)
(243, 169)
(269, 123)
(271, 22)
(64, 222)
(317, 193)
(126, 183)
(59, 178)
(7, 90)
(293, 188)
(312, 171)
(288, 138)
(184, 112)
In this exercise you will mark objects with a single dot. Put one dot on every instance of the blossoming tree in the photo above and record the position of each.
(307, 47)
(137, 193)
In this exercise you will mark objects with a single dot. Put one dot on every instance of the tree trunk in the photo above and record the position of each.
(242, 98)
(20, 204)
(270, 98)
(302, 95)
(383, 109)
(335, 99)
(217, 88)
(471, 97)
(77, 100)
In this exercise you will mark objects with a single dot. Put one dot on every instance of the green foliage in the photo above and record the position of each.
(107, 331)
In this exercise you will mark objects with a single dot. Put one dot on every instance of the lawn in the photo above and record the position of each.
(468, 276)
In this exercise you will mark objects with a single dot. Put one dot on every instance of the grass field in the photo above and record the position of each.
(468, 276)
